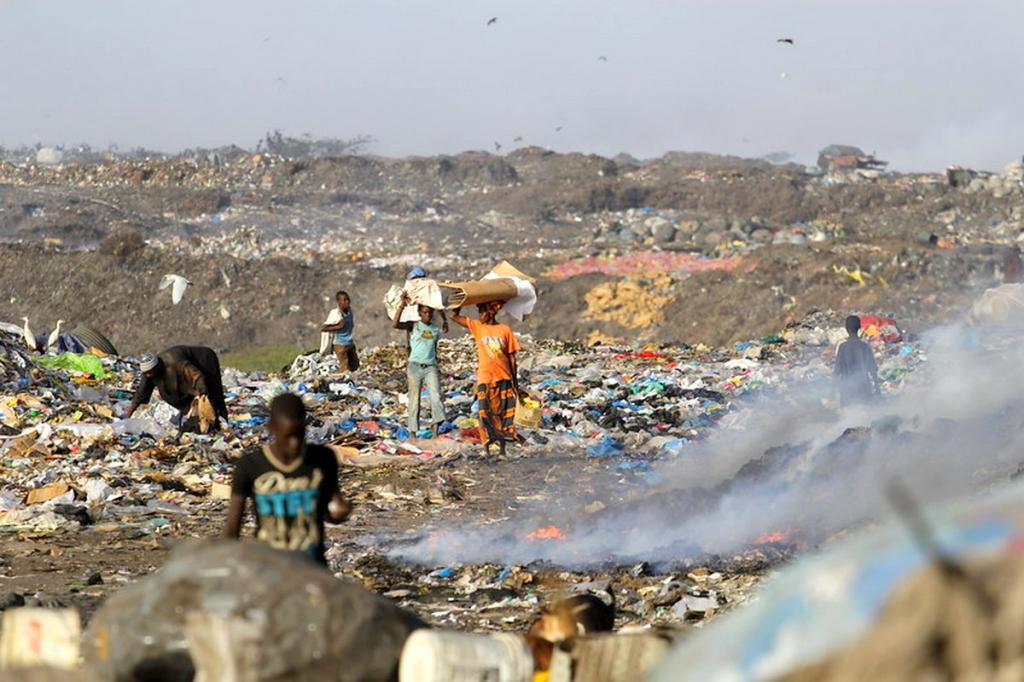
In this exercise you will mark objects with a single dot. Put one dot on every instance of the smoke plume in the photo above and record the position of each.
(787, 464)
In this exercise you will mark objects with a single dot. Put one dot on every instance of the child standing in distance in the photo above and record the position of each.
(856, 371)
(341, 323)
(423, 336)
(293, 484)
(497, 391)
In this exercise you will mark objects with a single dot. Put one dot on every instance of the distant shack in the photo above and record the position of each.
(841, 157)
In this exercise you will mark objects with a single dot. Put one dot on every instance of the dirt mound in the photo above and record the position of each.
(288, 232)
(279, 300)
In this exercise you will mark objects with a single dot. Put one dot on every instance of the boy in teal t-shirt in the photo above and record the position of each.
(423, 338)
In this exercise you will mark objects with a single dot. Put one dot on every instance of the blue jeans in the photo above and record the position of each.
(418, 375)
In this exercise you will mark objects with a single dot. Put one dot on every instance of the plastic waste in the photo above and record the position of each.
(440, 656)
(97, 490)
(607, 447)
(83, 364)
(608, 658)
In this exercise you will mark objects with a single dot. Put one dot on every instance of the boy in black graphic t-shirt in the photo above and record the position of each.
(293, 484)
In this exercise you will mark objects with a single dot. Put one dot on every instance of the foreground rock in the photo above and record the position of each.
(299, 621)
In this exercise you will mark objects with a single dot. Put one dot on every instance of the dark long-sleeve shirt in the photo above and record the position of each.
(188, 371)
(856, 371)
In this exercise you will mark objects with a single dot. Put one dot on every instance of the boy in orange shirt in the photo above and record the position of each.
(497, 391)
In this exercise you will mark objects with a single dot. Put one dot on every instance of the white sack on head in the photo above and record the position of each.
(421, 291)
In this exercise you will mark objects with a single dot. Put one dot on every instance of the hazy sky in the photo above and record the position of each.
(923, 83)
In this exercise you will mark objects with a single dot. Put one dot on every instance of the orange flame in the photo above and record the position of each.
(788, 537)
(547, 533)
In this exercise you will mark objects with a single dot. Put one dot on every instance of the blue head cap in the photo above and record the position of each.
(416, 273)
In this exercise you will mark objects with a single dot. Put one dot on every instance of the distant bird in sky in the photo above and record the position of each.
(558, 129)
(497, 146)
(280, 80)
(178, 286)
(492, 20)
(602, 58)
(54, 335)
(518, 139)
(788, 41)
(783, 75)
(267, 39)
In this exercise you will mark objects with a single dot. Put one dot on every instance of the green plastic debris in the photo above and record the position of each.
(74, 362)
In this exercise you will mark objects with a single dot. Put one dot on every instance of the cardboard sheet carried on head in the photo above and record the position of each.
(503, 283)
(459, 294)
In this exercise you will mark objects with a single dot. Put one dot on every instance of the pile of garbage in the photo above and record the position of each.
(75, 471)
(679, 230)
(1007, 183)
(610, 402)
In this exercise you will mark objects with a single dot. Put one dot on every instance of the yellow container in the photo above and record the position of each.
(529, 412)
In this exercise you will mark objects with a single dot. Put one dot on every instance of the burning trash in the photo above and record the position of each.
(781, 537)
(547, 533)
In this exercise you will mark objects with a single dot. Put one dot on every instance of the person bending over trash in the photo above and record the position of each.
(423, 338)
(340, 323)
(497, 373)
(184, 376)
(293, 485)
(856, 371)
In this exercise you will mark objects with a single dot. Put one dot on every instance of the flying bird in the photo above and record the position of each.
(787, 41)
(602, 58)
(54, 335)
(178, 285)
(558, 129)
(497, 146)
(492, 20)
(30, 338)
(518, 139)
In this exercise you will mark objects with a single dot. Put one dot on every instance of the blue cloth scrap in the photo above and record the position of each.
(632, 465)
(608, 447)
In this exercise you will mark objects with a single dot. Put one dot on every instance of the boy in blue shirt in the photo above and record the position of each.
(340, 324)
(423, 338)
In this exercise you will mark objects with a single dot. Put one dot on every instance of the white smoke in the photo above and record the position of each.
(957, 427)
